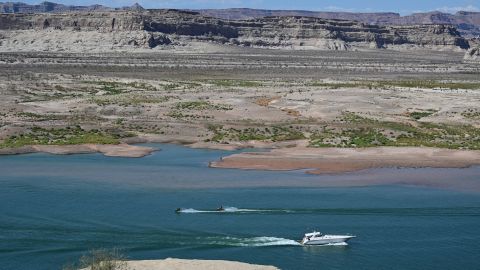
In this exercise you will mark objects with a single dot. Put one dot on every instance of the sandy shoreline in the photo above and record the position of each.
(341, 160)
(284, 156)
(181, 264)
(117, 150)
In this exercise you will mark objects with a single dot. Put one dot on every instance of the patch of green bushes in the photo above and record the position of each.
(100, 260)
(364, 132)
(62, 136)
(202, 105)
(274, 134)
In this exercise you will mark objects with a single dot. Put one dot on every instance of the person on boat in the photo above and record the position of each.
(221, 208)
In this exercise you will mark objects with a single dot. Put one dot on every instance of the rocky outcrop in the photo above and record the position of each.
(157, 27)
(472, 55)
(157, 39)
(428, 35)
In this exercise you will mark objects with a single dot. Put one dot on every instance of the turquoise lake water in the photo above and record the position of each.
(53, 209)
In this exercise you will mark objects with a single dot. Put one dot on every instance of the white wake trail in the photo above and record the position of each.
(228, 209)
(263, 241)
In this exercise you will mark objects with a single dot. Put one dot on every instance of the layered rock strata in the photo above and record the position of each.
(162, 27)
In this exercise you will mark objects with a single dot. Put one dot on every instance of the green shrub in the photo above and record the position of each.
(63, 136)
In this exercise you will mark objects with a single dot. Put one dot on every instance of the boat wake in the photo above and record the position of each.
(455, 211)
(263, 241)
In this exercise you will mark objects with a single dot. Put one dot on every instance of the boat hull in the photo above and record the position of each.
(326, 240)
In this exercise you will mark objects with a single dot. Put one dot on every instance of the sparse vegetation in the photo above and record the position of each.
(471, 114)
(115, 88)
(201, 106)
(274, 134)
(403, 83)
(186, 109)
(365, 132)
(171, 86)
(111, 88)
(181, 115)
(128, 100)
(100, 260)
(236, 83)
(417, 115)
(39, 117)
(265, 103)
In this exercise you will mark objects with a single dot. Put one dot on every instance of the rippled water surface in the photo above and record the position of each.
(54, 208)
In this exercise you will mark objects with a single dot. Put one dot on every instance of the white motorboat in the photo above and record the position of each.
(317, 238)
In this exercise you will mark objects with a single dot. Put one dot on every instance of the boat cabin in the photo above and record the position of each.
(313, 234)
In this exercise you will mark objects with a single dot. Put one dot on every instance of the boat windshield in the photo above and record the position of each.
(313, 234)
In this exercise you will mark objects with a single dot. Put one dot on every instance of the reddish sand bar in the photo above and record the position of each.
(339, 160)
(111, 150)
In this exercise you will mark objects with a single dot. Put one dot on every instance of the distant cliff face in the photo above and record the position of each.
(309, 29)
(292, 32)
(103, 21)
(18, 7)
(468, 23)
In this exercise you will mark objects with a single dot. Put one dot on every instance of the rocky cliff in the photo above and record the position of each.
(307, 31)
(19, 7)
(99, 21)
(468, 23)
(283, 32)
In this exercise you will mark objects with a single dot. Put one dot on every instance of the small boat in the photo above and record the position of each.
(220, 209)
(178, 210)
(317, 238)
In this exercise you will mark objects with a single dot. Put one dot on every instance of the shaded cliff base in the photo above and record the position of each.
(144, 41)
